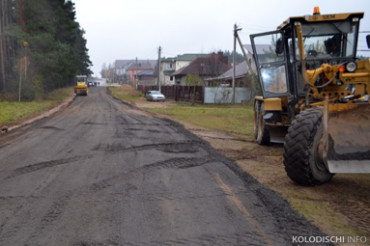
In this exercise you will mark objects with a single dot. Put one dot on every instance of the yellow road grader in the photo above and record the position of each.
(81, 86)
(315, 96)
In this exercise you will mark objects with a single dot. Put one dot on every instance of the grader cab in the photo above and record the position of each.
(315, 96)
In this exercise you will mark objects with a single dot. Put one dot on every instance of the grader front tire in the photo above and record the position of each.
(301, 158)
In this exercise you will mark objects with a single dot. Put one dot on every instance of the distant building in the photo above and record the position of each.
(172, 64)
(241, 70)
(145, 78)
(226, 78)
(138, 67)
(125, 70)
(206, 67)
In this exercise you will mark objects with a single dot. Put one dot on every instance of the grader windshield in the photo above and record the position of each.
(326, 40)
(331, 40)
(271, 63)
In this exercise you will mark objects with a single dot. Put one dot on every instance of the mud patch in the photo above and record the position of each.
(94, 123)
(96, 243)
(169, 147)
(179, 148)
(52, 128)
(179, 163)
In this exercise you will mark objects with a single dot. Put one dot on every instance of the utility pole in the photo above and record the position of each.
(159, 68)
(250, 71)
(236, 29)
(135, 75)
(114, 72)
(244, 54)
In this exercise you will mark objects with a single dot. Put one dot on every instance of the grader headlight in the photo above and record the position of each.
(351, 67)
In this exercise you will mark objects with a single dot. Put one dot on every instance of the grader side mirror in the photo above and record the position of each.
(368, 41)
(279, 46)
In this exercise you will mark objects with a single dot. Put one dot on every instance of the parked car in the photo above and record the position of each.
(155, 96)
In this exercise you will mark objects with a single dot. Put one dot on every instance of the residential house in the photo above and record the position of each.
(206, 67)
(172, 64)
(122, 69)
(168, 66)
(146, 77)
(138, 67)
(226, 78)
(241, 70)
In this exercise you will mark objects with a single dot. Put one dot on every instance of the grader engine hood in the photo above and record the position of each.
(345, 82)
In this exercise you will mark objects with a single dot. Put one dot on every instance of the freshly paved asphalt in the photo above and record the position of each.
(101, 172)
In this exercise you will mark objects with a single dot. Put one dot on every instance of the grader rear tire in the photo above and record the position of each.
(256, 117)
(263, 134)
(301, 158)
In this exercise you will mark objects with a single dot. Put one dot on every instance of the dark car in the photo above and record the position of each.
(155, 96)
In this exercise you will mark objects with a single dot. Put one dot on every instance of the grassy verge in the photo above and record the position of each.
(12, 111)
(129, 95)
(231, 119)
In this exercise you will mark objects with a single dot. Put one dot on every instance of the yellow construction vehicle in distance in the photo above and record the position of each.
(81, 87)
(315, 95)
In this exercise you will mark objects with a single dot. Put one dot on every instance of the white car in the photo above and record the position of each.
(155, 96)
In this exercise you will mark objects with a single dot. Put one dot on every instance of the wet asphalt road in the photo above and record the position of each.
(103, 173)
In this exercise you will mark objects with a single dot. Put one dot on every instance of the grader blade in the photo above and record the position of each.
(348, 138)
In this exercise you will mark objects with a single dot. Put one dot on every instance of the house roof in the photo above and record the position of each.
(240, 71)
(145, 73)
(168, 72)
(127, 63)
(141, 66)
(168, 59)
(189, 57)
(212, 65)
(122, 63)
(184, 57)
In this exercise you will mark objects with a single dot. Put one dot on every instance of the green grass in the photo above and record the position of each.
(233, 119)
(12, 111)
(130, 95)
(215, 105)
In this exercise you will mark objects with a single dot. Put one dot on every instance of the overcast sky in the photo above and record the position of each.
(126, 29)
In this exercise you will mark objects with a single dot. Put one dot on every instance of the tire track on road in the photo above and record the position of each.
(41, 165)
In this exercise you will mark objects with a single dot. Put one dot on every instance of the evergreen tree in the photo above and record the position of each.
(239, 57)
(50, 48)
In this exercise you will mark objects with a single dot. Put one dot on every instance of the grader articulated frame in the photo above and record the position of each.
(315, 96)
